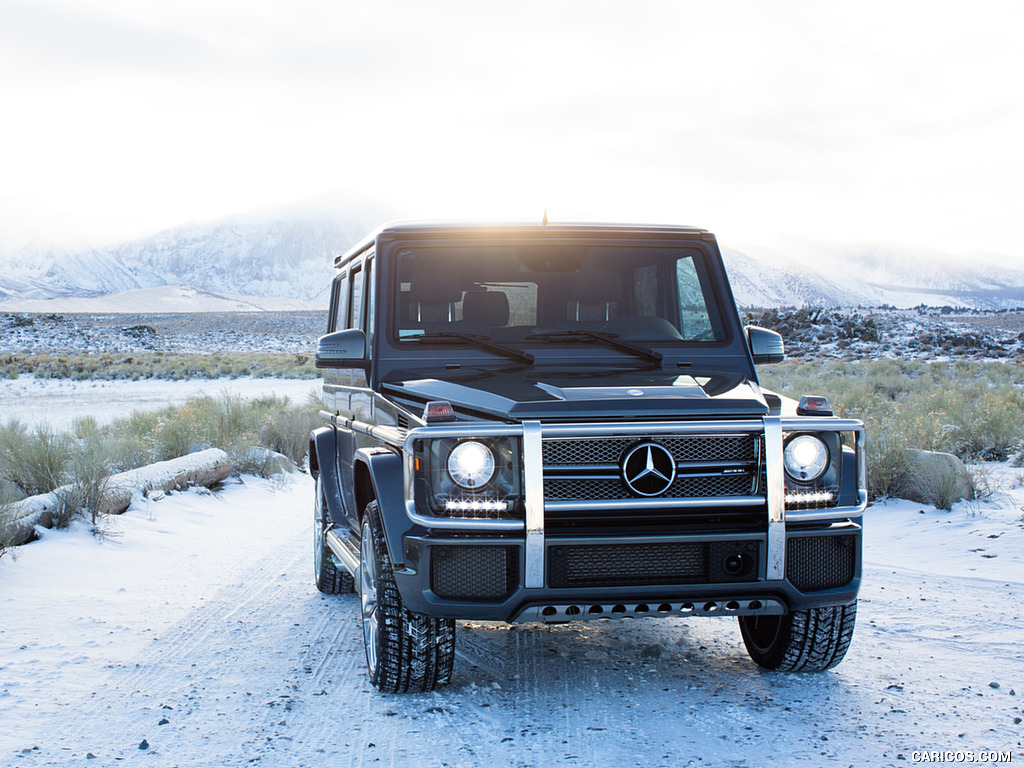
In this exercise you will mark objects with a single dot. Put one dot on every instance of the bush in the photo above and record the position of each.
(6, 521)
(37, 461)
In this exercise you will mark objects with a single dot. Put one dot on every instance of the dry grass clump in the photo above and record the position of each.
(974, 411)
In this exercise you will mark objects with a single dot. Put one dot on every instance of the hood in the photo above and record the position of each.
(521, 394)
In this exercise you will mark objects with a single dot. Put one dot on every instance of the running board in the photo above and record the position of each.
(345, 550)
(717, 606)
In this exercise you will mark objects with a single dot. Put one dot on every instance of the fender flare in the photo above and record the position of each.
(323, 462)
(387, 476)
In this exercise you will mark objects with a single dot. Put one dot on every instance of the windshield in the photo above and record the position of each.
(536, 294)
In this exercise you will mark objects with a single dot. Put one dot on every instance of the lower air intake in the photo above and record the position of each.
(820, 562)
(488, 574)
(627, 565)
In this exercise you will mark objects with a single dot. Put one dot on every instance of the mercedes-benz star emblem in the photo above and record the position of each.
(648, 469)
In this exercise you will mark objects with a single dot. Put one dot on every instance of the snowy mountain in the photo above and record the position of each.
(289, 255)
(257, 258)
(286, 256)
(162, 299)
(873, 275)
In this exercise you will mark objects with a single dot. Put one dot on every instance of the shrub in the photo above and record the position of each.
(6, 521)
(37, 461)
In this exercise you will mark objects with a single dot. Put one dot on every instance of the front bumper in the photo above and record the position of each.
(472, 577)
(521, 570)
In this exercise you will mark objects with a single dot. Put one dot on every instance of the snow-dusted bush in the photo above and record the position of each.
(935, 478)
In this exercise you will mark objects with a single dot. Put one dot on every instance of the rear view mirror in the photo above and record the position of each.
(341, 349)
(765, 346)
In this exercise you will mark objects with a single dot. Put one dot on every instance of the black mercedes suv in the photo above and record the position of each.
(552, 423)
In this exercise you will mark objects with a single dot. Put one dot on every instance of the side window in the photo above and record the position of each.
(355, 302)
(339, 303)
(694, 321)
(370, 321)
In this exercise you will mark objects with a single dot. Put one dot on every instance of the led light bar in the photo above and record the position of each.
(475, 505)
(810, 497)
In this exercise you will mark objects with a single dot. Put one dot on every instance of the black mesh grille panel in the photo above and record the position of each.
(627, 565)
(474, 573)
(820, 562)
(609, 450)
(683, 487)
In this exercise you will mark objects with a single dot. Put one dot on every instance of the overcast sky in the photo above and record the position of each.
(846, 122)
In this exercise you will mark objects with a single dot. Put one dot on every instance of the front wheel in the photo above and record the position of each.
(406, 652)
(801, 641)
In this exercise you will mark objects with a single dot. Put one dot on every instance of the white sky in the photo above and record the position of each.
(853, 121)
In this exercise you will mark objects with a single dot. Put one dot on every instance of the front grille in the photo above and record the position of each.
(627, 565)
(708, 466)
(820, 562)
(683, 487)
(485, 573)
(691, 448)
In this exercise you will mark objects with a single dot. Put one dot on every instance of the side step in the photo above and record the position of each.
(345, 549)
(717, 606)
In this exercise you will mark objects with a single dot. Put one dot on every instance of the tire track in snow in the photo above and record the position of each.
(268, 672)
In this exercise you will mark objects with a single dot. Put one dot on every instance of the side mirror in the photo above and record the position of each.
(341, 349)
(765, 346)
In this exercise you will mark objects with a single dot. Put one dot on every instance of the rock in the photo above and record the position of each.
(265, 462)
(144, 745)
(931, 477)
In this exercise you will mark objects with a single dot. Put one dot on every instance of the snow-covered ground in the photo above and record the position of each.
(190, 634)
(58, 402)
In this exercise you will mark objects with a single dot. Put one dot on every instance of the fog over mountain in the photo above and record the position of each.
(289, 255)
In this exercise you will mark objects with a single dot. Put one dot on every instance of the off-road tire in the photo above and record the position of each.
(406, 652)
(331, 579)
(801, 641)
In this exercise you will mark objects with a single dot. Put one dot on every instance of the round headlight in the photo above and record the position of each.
(806, 458)
(471, 464)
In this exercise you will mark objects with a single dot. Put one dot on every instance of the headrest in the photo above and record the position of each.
(597, 288)
(488, 308)
(434, 286)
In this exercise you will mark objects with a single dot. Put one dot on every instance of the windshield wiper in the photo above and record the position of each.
(474, 338)
(608, 338)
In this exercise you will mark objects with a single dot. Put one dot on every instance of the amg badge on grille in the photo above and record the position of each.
(648, 469)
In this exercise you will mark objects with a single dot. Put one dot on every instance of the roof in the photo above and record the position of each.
(394, 229)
